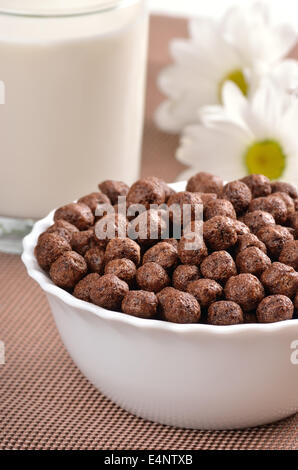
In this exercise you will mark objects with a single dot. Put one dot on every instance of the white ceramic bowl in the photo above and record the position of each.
(193, 376)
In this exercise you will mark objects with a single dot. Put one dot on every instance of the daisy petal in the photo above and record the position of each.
(291, 172)
(176, 81)
(285, 74)
(234, 103)
(285, 39)
(166, 118)
(268, 42)
(182, 109)
(207, 148)
(202, 29)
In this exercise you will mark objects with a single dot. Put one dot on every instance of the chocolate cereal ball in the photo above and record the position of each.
(77, 214)
(183, 275)
(164, 295)
(95, 242)
(81, 241)
(225, 313)
(275, 308)
(110, 226)
(280, 279)
(180, 307)
(241, 228)
(168, 191)
(140, 303)
(191, 249)
(163, 254)
(292, 231)
(257, 219)
(49, 247)
(219, 207)
(293, 221)
(94, 258)
(258, 184)
(108, 292)
(206, 291)
(63, 228)
(152, 277)
(83, 287)
(253, 261)
(92, 200)
(250, 317)
(113, 189)
(282, 187)
(149, 227)
(239, 194)
(247, 240)
(289, 254)
(205, 183)
(123, 248)
(272, 204)
(172, 241)
(68, 269)
(207, 198)
(246, 290)
(287, 200)
(146, 191)
(220, 233)
(296, 303)
(123, 268)
(296, 204)
(274, 237)
(176, 202)
(218, 266)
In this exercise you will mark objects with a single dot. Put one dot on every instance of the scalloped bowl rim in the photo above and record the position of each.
(35, 272)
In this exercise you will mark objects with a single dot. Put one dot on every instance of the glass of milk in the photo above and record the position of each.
(72, 75)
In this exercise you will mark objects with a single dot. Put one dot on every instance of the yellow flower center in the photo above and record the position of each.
(266, 158)
(236, 76)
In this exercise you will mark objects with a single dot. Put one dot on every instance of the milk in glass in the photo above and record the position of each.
(73, 73)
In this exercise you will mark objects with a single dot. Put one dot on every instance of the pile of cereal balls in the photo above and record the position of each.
(244, 270)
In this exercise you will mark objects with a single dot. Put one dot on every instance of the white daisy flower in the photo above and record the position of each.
(242, 47)
(245, 136)
(255, 34)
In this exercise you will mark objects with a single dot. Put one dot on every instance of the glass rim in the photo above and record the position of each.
(96, 7)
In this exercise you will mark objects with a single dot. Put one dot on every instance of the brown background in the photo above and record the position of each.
(45, 402)
(158, 147)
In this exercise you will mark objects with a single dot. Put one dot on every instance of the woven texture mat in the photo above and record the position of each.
(45, 402)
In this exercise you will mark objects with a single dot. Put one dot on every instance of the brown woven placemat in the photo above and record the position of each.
(45, 402)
